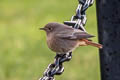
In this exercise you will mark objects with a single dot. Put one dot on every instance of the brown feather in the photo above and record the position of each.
(92, 43)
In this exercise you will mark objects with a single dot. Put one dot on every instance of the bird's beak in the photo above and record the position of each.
(42, 28)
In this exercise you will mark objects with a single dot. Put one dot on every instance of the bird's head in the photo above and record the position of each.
(52, 27)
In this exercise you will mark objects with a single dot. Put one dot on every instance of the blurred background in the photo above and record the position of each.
(24, 54)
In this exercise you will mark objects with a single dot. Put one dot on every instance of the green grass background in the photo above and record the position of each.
(24, 54)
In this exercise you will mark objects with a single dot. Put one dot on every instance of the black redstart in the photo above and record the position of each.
(62, 38)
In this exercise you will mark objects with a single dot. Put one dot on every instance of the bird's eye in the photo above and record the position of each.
(50, 29)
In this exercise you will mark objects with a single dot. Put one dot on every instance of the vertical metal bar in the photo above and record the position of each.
(108, 16)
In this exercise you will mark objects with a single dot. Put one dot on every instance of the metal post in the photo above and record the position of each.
(108, 16)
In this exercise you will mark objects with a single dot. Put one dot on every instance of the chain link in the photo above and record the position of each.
(56, 68)
(78, 21)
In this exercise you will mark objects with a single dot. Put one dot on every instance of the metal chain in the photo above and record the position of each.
(78, 21)
(56, 68)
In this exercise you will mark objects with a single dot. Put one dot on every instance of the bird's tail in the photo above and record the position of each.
(92, 43)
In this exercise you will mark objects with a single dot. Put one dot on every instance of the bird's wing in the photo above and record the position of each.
(73, 34)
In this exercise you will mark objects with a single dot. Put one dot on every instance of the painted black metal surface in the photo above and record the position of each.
(108, 16)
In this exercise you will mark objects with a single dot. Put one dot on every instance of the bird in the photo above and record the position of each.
(62, 38)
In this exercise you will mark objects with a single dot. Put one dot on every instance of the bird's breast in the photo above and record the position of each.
(59, 45)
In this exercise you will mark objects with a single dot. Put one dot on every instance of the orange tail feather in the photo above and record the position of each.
(93, 44)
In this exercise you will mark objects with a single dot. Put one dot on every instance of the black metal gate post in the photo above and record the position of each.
(108, 16)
